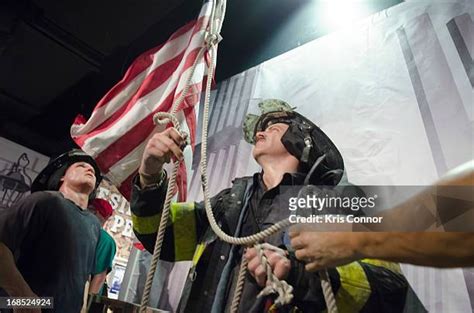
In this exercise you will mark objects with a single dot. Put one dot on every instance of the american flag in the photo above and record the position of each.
(117, 131)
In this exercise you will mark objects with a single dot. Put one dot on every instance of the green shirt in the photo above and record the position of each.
(105, 253)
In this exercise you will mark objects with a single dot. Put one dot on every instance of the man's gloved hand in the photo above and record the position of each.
(280, 264)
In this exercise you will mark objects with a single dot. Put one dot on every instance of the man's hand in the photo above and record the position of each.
(281, 265)
(321, 250)
(159, 150)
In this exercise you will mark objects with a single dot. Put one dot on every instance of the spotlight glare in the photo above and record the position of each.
(341, 13)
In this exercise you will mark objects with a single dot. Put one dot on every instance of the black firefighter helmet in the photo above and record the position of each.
(318, 155)
(50, 177)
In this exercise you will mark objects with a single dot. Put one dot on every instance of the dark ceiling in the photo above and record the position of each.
(58, 58)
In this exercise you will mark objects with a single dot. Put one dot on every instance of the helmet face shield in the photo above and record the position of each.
(270, 108)
(271, 118)
(303, 139)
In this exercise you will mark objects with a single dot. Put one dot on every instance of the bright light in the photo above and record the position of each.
(341, 13)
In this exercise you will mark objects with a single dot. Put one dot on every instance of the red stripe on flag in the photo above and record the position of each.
(117, 141)
(190, 115)
(134, 136)
(136, 68)
(144, 60)
(153, 81)
(131, 139)
(125, 187)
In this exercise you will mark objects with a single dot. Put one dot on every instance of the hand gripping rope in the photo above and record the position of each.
(274, 285)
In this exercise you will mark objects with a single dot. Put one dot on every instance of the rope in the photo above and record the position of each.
(274, 285)
(327, 292)
(284, 293)
(239, 286)
(162, 118)
(159, 240)
(281, 287)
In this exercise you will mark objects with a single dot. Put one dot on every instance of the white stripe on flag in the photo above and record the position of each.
(170, 50)
(129, 163)
(141, 109)
(120, 126)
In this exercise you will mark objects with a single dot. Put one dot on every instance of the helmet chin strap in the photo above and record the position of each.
(308, 145)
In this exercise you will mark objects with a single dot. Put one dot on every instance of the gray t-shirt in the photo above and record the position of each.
(53, 242)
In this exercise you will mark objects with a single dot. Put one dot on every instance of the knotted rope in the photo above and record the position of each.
(281, 287)
(285, 291)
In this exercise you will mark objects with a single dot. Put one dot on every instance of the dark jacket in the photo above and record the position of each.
(365, 286)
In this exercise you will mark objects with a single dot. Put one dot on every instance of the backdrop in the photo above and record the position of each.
(395, 94)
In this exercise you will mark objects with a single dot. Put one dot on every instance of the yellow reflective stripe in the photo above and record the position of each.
(184, 230)
(198, 253)
(354, 290)
(394, 267)
(146, 225)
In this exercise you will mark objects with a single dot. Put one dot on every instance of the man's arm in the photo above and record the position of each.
(447, 205)
(323, 250)
(14, 224)
(442, 249)
(180, 237)
(97, 282)
(11, 279)
(428, 249)
(149, 189)
(104, 256)
(188, 221)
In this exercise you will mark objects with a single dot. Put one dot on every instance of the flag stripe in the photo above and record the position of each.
(122, 122)
(139, 109)
(128, 139)
(130, 162)
(150, 84)
(148, 60)
(154, 79)
(127, 165)
(125, 188)
(139, 70)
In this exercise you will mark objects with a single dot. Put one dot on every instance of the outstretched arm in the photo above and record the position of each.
(11, 279)
(323, 250)
(441, 249)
